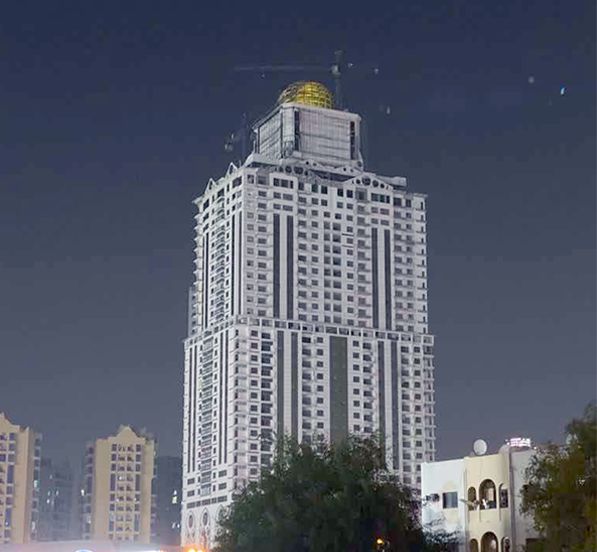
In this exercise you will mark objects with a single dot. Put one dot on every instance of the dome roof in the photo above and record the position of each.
(307, 93)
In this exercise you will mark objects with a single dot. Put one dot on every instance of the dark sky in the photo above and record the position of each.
(113, 116)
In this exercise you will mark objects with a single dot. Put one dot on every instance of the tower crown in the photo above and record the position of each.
(307, 93)
(305, 126)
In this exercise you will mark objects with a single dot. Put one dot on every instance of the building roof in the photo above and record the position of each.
(307, 93)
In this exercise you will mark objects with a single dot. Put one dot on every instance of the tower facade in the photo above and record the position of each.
(308, 312)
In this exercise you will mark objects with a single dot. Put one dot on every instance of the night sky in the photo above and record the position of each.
(113, 116)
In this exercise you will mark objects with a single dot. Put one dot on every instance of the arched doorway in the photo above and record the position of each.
(489, 543)
(473, 546)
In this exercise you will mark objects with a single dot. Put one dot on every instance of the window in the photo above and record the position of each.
(450, 500)
(487, 495)
(503, 497)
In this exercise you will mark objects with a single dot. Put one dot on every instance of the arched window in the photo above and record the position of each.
(473, 546)
(489, 543)
(503, 496)
(505, 544)
(487, 496)
(472, 498)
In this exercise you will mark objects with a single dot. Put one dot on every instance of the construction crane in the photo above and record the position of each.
(336, 70)
(241, 138)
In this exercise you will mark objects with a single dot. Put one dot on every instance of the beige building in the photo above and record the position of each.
(19, 482)
(118, 497)
(477, 498)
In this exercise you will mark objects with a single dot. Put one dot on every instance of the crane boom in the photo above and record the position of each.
(282, 68)
(335, 70)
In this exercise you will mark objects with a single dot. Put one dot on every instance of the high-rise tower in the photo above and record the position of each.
(308, 313)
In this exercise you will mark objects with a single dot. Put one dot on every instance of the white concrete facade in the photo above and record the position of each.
(308, 311)
(477, 499)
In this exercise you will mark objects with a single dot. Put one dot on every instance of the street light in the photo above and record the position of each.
(382, 545)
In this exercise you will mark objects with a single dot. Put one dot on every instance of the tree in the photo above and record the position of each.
(332, 498)
(561, 490)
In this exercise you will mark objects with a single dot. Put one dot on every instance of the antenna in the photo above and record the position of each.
(336, 70)
(479, 447)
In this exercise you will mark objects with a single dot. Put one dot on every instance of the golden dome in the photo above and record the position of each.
(307, 93)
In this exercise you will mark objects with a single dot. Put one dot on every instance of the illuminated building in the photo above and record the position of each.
(308, 313)
(118, 501)
(19, 482)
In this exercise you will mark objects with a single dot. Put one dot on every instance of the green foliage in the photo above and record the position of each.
(325, 498)
(561, 494)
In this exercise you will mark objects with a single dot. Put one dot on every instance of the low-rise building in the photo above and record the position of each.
(477, 498)
(20, 449)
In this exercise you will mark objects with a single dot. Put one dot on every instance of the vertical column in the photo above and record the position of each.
(396, 403)
(232, 263)
(389, 299)
(290, 267)
(280, 383)
(338, 388)
(276, 265)
(194, 406)
(375, 277)
(294, 384)
(225, 383)
(381, 390)
(241, 270)
(220, 372)
(206, 280)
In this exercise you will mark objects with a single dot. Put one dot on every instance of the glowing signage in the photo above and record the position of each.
(519, 442)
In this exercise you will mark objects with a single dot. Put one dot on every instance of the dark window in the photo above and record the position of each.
(297, 130)
(503, 498)
(450, 500)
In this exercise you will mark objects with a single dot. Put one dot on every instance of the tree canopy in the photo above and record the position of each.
(325, 498)
(561, 493)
